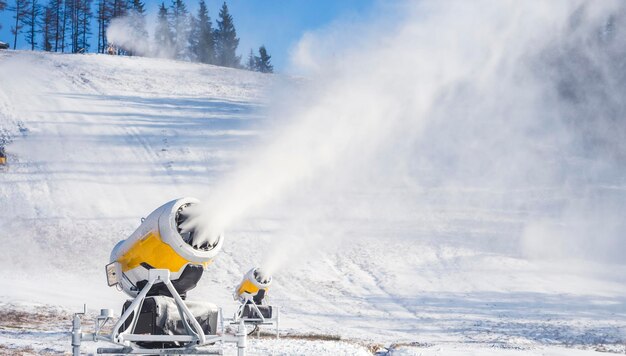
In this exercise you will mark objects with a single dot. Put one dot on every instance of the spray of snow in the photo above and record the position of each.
(124, 33)
(491, 102)
(203, 231)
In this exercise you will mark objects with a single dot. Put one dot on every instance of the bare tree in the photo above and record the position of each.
(84, 24)
(64, 24)
(79, 24)
(47, 28)
(103, 16)
(20, 10)
(56, 9)
(31, 21)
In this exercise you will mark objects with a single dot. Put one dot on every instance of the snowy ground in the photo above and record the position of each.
(100, 141)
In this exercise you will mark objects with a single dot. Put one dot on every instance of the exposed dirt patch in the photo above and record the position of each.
(42, 318)
(39, 318)
(297, 336)
(23, 351)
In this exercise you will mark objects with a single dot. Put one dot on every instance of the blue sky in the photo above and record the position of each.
(278, 24)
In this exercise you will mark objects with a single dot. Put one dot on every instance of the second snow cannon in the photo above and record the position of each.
(254, 308)
(253, 287)
(163, 241)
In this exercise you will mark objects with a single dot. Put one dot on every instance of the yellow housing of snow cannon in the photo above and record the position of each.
(253, 288)
(160, 243)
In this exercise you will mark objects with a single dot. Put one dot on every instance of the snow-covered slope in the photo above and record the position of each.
(94, 149)
(97, 142)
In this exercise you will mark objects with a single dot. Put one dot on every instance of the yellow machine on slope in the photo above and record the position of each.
(160, 243)
(3, 157)
(156, 266)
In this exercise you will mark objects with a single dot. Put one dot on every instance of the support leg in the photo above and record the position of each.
(76, 335)
(277, 319)
(241, 339)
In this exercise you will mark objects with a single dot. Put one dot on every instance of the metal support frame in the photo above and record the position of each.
(261, 320)
(158, 276)
(195, 335)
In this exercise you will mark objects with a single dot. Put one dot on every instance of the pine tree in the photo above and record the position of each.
(252, 60)
(138, 7)
(205, 46)
(226, 40)
(263, 61)
(30, 20)
(20, 11)
(162, 32)
(179, 20)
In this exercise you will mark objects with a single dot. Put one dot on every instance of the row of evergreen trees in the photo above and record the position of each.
(64, 26)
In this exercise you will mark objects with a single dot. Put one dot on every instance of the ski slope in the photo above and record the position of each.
(97, 142)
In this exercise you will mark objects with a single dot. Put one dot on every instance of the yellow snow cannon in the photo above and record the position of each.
(164, 242)
(253, 288)
(254, 308)
(3, 157)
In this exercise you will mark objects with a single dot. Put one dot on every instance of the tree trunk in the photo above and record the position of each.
(56, 31)
(33, 17)
(64, 26)
(99, 25)
(84, 30)
(75, 26)
(17, 22)
(104, 25)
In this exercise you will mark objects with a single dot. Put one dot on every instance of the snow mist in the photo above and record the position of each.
(455, 111)
(123, 33)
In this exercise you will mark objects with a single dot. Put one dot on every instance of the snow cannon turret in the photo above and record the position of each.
(161, 242)
(254, 308)
(3, 156)
(253, 288)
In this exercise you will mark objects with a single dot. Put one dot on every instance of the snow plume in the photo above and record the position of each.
(461, 118)
(124, 33)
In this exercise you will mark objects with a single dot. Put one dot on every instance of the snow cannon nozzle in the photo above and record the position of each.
(262, 277)
(194, 229)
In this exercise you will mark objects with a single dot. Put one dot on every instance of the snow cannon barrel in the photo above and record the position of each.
(161, 242)
(253, 288)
